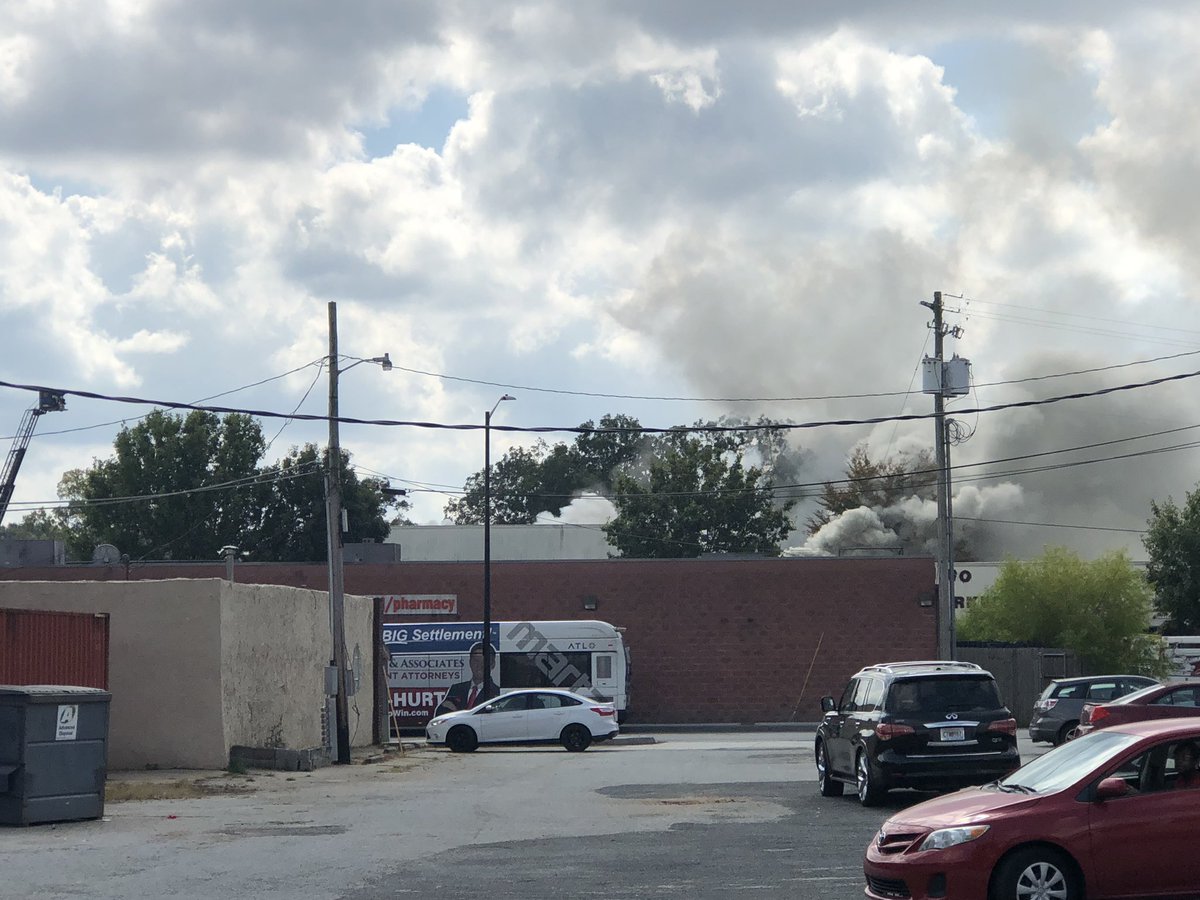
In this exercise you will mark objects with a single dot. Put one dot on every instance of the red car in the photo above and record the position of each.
(1106, 815)
(1162, 701)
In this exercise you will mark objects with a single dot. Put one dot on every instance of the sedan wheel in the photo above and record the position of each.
(576, 738)
(830, 787)
(1036, 874)
(462, 739)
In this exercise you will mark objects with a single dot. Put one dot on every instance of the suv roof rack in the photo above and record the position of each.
(923, 665)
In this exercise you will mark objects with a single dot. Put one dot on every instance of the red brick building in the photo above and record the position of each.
(712, 640)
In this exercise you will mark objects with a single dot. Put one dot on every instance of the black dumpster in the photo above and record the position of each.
(53, 753)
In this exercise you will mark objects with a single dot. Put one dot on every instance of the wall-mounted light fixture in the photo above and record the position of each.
(589, 602)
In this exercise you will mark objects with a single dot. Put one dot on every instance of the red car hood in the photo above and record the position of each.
(972, 804)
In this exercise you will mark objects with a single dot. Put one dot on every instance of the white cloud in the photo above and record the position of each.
(660, 199)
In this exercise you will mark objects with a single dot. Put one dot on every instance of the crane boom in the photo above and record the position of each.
(48, 401)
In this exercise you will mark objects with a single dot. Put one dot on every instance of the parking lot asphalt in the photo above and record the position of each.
(700, 815)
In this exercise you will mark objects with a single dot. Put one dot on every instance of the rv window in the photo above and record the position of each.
(558, 670)
(604, 666)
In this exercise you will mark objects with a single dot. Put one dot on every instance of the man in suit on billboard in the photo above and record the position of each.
(470, 692)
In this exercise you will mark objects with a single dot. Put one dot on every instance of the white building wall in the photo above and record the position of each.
(464, 543)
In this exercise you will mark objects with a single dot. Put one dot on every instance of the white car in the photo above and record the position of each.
(527, 717)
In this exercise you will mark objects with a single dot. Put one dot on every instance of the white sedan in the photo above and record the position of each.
(526, 717)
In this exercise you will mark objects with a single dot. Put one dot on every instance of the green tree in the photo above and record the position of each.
(182, 487)
(1173, 545)
(38, 525)
(1099, 609)
(696, 495)
(292, 527)
(528, 481)
(176, 463)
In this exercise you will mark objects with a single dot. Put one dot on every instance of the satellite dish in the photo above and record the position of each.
(106, 555)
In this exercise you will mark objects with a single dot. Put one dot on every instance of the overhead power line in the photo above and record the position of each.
(245, 387)
(234, 484)
(803, 399)
(1125, 323)
(1050, 525)
(578, 429)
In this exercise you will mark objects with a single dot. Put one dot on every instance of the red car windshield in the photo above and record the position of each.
(1068, 763)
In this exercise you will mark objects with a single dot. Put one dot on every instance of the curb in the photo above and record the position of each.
(631, 741)
(632, 728)
(719, 728)
(389, 750)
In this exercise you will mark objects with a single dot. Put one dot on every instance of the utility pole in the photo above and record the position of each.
(945, 528)
(333, 515)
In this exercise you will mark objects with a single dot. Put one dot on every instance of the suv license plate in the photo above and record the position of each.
(953, 734)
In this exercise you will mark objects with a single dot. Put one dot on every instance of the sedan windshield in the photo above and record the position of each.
(1070, 762)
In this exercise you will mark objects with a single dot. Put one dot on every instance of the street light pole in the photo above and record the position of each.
(333, 521)
(487, 548)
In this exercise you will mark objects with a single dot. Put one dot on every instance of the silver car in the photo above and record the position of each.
(1056, 712)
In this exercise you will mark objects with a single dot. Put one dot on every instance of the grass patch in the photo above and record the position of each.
(179, 789)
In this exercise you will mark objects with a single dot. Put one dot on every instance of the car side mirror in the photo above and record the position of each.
(486, 709)
(828, 704)
(1111, 788)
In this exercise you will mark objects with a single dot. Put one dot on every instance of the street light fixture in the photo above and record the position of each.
(333, 523)
(487, 548)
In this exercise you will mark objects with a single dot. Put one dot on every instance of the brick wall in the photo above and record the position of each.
(740, 640)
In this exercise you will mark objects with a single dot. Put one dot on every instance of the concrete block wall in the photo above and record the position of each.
(197, 666)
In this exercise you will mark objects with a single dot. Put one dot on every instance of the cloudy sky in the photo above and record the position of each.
(590, 205)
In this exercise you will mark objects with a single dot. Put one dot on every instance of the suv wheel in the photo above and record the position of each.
(830, 787)
(870, 792)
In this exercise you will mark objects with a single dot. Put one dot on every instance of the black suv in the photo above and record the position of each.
(931, 725)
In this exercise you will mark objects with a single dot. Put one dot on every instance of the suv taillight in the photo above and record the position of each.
(885, 731)
(1044, 705)
(1008, 726)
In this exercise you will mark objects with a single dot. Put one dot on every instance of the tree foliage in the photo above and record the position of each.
(183, 487)
(676, 494)
(1099, 609)
(527, 482)
(1173, 544)
(38, 525)
(693, 493)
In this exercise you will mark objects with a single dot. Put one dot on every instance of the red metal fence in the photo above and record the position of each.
(42, 647)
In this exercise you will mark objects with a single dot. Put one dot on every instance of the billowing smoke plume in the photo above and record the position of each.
(909, 525)
(1077, 473)
(589, 508)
